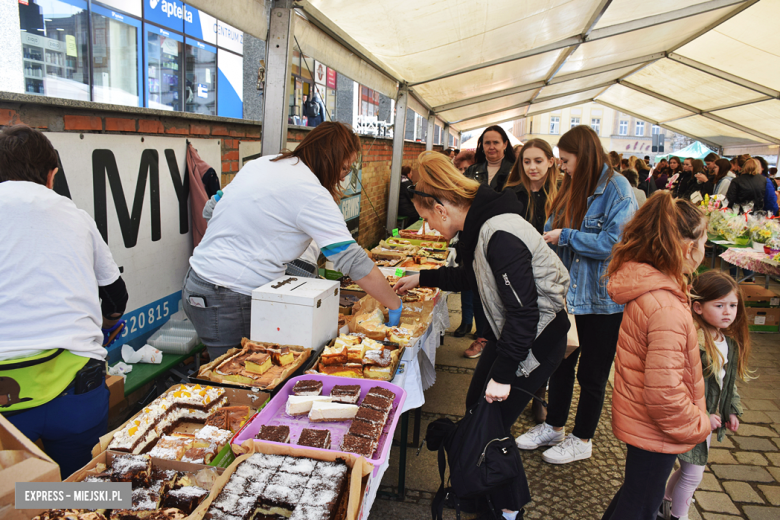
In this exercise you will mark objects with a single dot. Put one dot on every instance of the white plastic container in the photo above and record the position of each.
(175, 337)
(296, 311)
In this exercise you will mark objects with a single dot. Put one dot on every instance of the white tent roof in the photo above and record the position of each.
(706, 68)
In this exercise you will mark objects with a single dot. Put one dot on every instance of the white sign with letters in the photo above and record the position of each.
(136, 190)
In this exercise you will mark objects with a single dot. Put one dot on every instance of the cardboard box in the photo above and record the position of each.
(21, 461)
(763, 319)
(756, 296)
(236, 397)
(116, 389)
(207, 375)
(361, 471)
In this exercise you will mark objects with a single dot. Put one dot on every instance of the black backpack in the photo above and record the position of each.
(482, 459)
(312, 109)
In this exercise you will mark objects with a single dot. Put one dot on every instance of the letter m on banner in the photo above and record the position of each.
(104, 165)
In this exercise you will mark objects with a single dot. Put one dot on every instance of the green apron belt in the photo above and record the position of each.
(36, 380)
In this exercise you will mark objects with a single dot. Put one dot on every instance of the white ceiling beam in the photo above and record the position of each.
(712, 71)
(597, 34)
(704, 113)
(642, 60)
(487, 97)
(559, 107)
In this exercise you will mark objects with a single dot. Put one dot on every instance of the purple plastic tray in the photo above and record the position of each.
(274, 415)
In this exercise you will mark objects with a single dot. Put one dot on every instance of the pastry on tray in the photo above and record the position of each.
(371, 415)
(307, 387)
(282, 356)
(382, 358)
(335, 355)
(366, 429)
(358, 445)
(382, 392)
(400, 335)
(201, 455)
(378, 372)
(322, 411)
(258, 363)
(343, 370)
(314, 438)
(348, 394)
(274, 433)
(185, 498)
(377, 402)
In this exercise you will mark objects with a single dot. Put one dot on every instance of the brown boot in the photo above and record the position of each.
(539, 411)
(475, 350)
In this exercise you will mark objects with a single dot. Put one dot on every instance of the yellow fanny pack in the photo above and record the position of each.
(36, 380)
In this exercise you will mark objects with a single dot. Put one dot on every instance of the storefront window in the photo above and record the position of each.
(55, 48)
(163, 68)
(115, 58)
(201, 78)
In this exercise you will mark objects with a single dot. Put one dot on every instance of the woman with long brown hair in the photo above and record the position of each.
(268, 216)
(534, 178)
(587, 219)
(520, 281)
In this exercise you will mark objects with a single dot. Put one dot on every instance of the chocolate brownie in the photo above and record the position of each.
(370, 415)
(348, 394)
(377, 402)
(383, 392)
(365, 429)
(307, 387)
(358, 445)
(315, 438)
(274, 433)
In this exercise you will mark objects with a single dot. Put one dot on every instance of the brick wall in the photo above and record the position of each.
(59, 117)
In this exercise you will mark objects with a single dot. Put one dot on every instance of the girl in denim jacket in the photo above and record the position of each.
(587, 219)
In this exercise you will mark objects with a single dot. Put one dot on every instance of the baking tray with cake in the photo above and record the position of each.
(189, 423)
(162, 489)
(361, 357)
(283, 481)
(259, 365)
(330, 413)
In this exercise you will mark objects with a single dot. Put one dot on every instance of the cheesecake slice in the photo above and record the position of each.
(258, 363)
(322, 411)
(302, 404)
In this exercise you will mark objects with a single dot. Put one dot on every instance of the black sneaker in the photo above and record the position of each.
(462, 330)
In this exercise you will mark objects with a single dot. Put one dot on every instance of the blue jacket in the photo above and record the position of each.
(586, 252)
(770, 197)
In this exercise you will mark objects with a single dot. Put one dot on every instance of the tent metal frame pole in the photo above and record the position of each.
(446, 136)
(399, 131)
(703, 113)
(645, 118)
(277, 77)
(712, 71)
(598, 34)
(642, 60)
(429, 135)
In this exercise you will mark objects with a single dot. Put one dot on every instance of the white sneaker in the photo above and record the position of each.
(540, 435)
(665, 511)
(571, 449)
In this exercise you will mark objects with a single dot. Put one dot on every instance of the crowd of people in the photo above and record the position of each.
(609, 246)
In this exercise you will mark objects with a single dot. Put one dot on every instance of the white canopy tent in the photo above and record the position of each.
(705, 68)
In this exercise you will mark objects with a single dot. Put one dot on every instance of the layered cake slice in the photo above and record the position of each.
(303, 512)
(342, 370)
(213, 435)
(282, 494)
(377, 402)
(307, 387)
(315, 438)
(348, 394)
(381, 358)
(171, 447)
(202, 455)
(185, 498)
(282, 356)
(302, 404)
(371, 415)
(382, 392)
(274, 433)
(358, 445)
(334, 471)
(263, 461)
(132, 468)
(302, 466)
(365, 429)
(327, 411)
(335, 355)
(258, 363)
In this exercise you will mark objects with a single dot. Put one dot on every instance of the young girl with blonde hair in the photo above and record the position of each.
(520, 281)
(658, 405)
(724, 346)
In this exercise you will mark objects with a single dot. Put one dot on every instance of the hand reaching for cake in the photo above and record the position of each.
(406, 283)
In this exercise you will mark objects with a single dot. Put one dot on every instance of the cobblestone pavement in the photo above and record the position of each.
(742, 478)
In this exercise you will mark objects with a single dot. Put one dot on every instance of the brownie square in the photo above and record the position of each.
(132, 468)
(227, 502)
(186, 498)
(382, 392)
(315, 438)
(307, 387)
(365, 429)
(377, 402)
(330, 470)
(274, 433)
(218, 514)
(298, 466)
(283, 491)
(370, 415)
(358, 445)
(348, 394)
(304, 512)
(264, 461)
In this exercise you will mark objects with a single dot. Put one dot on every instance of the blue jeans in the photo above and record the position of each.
(224, 318)
(69, 426)
(466, 307)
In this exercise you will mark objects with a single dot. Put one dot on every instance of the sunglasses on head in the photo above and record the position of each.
(412, 192)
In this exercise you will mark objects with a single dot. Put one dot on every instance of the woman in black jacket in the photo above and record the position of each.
(535, 180)
(522, 284)
(748, 188)
(494, 158)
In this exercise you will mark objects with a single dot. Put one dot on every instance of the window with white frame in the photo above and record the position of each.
(595, 124)
(640, 128)
(623, 128)
(575, 121)
(656, 129)
(555, 125)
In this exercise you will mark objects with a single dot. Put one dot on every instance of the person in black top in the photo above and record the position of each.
(686, 182)
(405, 206)
(748, 188)
(534, 179)
(494, 158)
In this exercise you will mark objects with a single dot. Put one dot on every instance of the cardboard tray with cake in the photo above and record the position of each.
(162, 490)
(255, 364)
(189, 422)
(281, 481)
(330, 413)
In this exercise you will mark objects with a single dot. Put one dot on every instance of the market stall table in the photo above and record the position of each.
(144, 373)
(752, 260)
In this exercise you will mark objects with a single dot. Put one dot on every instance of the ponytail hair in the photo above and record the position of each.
(437, 176)
(714, 285)
(656, 235)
